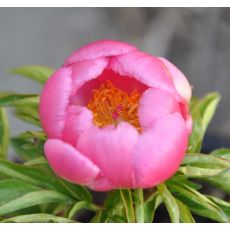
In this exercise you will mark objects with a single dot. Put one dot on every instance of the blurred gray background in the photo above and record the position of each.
(197, 40)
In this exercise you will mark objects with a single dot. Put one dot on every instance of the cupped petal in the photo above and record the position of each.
(147, 69)
(78, 120)
(155, 103)
(54, 101)
(70, 164)
(110, 148)
(180, 81)
(159, 151)
(102, 48)
(85, 71)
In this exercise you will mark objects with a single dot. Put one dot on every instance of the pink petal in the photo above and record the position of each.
(102, 48)
(155, 103)
(78, 120)
(160, 150)
(110, 149)
(147, 69)
(180, 81)
(101, 184)
(86, 71)
(68, 163)
(53, 102)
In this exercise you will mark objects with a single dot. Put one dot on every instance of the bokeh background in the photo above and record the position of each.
(197, 40)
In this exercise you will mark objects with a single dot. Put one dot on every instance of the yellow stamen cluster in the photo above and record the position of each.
(110, 105)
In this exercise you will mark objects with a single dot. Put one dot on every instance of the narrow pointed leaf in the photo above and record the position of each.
(4, 133)
(34, 72)
(170, 203)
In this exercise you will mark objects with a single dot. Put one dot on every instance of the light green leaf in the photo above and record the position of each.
(19, 100)
(170, 203)
(34, 72)
(78, 206)
(185, 214)
(4, 133)
(198, 203)
(37, 161)
(37, 218)
(223, 153)
(32, 199)
(150, 206)
(28, 114)
(205, 161)
(202, 112)
(196, 172)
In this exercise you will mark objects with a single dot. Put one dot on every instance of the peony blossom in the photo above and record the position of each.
(115, 117)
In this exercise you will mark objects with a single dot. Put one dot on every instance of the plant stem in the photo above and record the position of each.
(139, 206)
(127, 199)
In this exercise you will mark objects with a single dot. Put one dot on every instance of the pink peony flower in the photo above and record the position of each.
(115, 117)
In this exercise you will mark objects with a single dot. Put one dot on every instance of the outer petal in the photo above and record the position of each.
(102, 48)
(180, 81)
(78, 120)
(160, 150)
(68, 163)
(110, 149)
(54, 100)
(147, 69)
(154, 104)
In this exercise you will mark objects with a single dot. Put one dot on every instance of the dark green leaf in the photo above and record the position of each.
(37, 218)
(4, 133)
(11, 189)
(34, 72)
(170, 203)
(78, 206)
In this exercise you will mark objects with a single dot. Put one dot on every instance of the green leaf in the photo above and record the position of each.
(27, 149)
(32, 199)
(37, 218)
(221, 181)
(185, 214)
(78, 206)
(28, 114)
(196, 172)
(43, 178)
(126, 197)
(198, 203)
(224, 205)
(150, 206)
(223, 153)
(202, 112)
(4, 133)
(170, 203)
(205, 161)
(19, 100)
(37, 161)
(34, 72)
(11, 189)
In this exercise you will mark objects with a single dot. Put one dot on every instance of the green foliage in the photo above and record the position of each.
(4, 133)
(34, 72)
(31, 192)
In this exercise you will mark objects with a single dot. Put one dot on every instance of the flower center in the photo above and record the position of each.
(110, 105)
